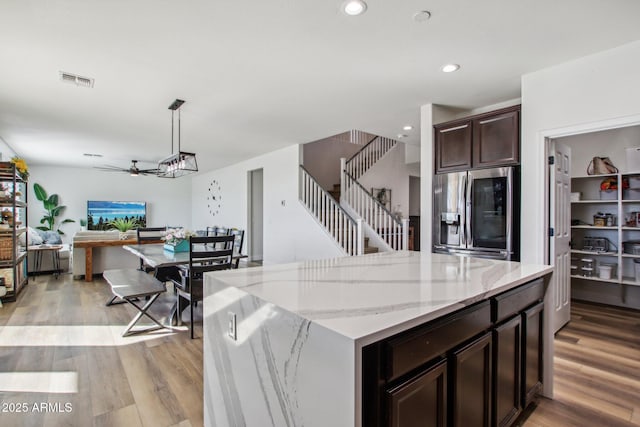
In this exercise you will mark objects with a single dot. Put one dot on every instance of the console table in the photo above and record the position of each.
(88, 246)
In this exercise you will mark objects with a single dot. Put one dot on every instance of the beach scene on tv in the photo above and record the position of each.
(101, 214)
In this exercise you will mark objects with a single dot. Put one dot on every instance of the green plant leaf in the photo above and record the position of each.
(41, 195)
(67, 220)
(43, 228)
(53, 200)
(57, 210)
(60, 232)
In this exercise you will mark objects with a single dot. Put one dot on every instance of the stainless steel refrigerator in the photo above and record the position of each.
(476, 213)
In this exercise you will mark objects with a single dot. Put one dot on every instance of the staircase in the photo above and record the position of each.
(335, 193)
(362, 161)
(369, 249)
(377, 217)
(347, 230)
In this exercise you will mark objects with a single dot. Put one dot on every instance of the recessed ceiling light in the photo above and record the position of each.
(407, 127)
(402, 135)
(354, 7)
(450, 68)
(422, 16)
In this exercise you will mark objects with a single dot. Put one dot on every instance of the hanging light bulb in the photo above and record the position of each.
(182, 162)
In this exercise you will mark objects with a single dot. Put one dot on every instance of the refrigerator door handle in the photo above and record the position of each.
(463, 211)
(469, 201)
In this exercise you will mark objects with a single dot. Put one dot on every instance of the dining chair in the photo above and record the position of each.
(155, 234)
(149, 234)
(237, 244)
(204, 256)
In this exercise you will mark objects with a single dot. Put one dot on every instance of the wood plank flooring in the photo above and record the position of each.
(62, 327)
(597, 371)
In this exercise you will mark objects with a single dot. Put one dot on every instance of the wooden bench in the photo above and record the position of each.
(133, 284)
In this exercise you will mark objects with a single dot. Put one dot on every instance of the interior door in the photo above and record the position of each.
(256, 215)
(560, 222)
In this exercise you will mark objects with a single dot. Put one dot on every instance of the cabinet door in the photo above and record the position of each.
(421, 401)
(496, 140)
(471, 382)
(532, 353)
(506, 351)
(453, 147)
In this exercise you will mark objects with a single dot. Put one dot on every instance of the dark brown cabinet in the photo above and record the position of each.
(532, 353)
(453, 147)
(496, 140)
(471, 367)
(479, 366)
(486, 140)
(421, 401)
(507, 339)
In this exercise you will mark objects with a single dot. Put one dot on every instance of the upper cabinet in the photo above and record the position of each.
(453, 147)
(486, 140)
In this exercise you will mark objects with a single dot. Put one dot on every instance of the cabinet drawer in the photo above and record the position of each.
(516, 300)
(410, 350)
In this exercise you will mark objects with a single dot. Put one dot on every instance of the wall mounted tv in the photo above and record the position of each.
(100, 213)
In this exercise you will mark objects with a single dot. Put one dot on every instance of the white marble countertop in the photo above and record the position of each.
(370, 297)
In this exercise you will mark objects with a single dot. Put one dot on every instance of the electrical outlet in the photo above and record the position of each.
(232, 331)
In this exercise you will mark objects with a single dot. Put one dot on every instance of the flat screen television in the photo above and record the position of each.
(100, 213)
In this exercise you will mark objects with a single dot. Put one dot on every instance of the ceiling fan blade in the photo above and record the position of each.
(149, 171)
(133, 170)
(109, 168)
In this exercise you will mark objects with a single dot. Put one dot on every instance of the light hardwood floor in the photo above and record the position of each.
(62, 327)
(597, 370)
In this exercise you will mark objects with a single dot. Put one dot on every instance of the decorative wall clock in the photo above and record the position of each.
(214, 197)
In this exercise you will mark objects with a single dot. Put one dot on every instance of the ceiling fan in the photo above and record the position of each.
(133, 170)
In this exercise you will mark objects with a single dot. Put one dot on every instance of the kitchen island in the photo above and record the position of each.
(284, 344)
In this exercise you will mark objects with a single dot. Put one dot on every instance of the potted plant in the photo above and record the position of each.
(52, 208)
(123, 225)
(83, 224)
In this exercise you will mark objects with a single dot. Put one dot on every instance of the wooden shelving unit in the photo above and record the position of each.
(13, 257)
(621, 207)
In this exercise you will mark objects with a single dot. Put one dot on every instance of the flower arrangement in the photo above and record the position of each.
(176, 235)
(21, 166)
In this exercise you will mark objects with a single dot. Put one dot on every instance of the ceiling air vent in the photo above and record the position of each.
(76, 80)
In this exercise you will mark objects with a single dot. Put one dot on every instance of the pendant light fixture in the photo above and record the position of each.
(180, 163)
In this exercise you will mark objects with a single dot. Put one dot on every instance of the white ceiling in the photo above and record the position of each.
(258, 75)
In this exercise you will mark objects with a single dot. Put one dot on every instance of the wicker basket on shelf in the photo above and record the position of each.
(6, 248)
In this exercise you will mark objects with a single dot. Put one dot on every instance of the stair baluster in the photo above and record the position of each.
(346, 231)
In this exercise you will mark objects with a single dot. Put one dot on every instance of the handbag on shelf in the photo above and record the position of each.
(601, 166)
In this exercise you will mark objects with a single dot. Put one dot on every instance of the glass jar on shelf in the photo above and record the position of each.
(588, 266)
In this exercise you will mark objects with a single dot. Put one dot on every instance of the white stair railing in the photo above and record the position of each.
(394, 232)
(354, 136)
(346, 231)
(360, 162)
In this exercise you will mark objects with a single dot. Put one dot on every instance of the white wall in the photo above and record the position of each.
(597, 91)
(411, 153)
(608, 143)
(322, 160)
(168, 200)
(6, 153)
(290, 232)
(392, 172)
